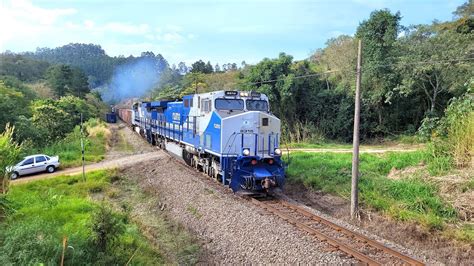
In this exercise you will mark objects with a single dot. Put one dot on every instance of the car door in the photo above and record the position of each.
(40, 164)
(27, 166)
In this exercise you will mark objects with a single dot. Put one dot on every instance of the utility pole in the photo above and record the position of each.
(355, 153)
(82, 151)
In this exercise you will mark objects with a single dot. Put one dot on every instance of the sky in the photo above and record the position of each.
(185, 30)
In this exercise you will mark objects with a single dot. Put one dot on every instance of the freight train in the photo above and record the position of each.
(229, 135)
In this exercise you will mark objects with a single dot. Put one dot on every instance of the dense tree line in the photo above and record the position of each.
(409, 75)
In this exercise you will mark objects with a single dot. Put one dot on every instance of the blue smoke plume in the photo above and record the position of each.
(132, 80)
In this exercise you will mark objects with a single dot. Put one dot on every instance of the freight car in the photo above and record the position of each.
(230, 135)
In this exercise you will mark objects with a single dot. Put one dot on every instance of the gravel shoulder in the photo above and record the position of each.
(231, 229)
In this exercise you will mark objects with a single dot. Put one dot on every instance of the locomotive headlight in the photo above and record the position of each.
(246, 152)
(277, 151)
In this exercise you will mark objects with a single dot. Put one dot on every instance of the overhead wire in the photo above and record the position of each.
(338, 70)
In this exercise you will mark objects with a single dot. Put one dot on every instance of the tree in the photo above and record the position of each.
(201, 67)
(57, 118)
(59, 79)
(465, 10)
(13, 103)
(340, 54)
(21, 67)
(65, 80)
(51, 120)
(217, 68)
(209, 68)
(435, 80)
(10, 152)
(194, 83)
(278, 92)
(379, 34)
(79, 83)
(183, 69)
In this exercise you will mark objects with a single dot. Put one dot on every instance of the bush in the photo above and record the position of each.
(5, 207)
(9, 155)
(452, 141)
(47, 210)
(106, 228)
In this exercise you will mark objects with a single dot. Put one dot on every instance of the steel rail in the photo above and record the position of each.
(363, 238)
(333, 242)
(338, 245)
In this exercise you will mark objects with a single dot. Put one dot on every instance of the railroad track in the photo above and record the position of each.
(354, 244)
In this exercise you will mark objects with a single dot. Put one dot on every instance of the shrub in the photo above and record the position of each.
(452, 142)
(106, 228)
(5, 207)
(9, 154)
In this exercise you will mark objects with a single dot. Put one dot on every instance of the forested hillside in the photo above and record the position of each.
(409, 75)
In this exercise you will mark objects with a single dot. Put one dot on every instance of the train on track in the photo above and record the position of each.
(229, 135)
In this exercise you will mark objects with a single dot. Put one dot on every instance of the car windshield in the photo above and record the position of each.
(229, 104)
(257, 105)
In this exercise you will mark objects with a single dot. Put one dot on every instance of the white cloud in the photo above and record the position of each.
(89, 24)
(24, 10)
(29, 26)
(173, 37)
(21, 20)
(125, 28)
(174, 28)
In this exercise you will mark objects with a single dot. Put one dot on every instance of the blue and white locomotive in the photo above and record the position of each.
(229, 135)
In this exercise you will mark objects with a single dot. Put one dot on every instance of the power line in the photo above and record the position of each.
(445, 61)
(338, 70)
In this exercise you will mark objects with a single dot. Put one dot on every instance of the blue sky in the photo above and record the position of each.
(219, 31)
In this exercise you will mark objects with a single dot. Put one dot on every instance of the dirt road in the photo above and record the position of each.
(362, 149)
(126, 149)
(122, 162)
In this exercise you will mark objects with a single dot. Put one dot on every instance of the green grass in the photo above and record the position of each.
(45, 211)
(172, 238)
(123, 144)
(465, 233)
(410, 199)
(306, 145)
(69, 149)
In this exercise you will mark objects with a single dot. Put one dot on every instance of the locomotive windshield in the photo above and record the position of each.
(229, 104)
(257, 105)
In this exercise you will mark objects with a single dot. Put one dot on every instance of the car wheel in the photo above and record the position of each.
(50, 169)
(14, 175)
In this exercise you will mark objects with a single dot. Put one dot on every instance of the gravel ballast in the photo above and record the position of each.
(231, 229)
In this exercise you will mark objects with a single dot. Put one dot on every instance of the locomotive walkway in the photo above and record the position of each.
(126, 161)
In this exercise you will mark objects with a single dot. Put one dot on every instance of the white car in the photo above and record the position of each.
(34, 164)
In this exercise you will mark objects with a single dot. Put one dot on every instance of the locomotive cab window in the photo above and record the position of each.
(257, 105)
(206, 105)
(229, 104)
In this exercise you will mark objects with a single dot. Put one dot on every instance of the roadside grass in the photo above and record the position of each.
(97, 136)
(316, 145)
(123, 144)
(45, 211)
(404, 140)
(172, 239)
(408, 199)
